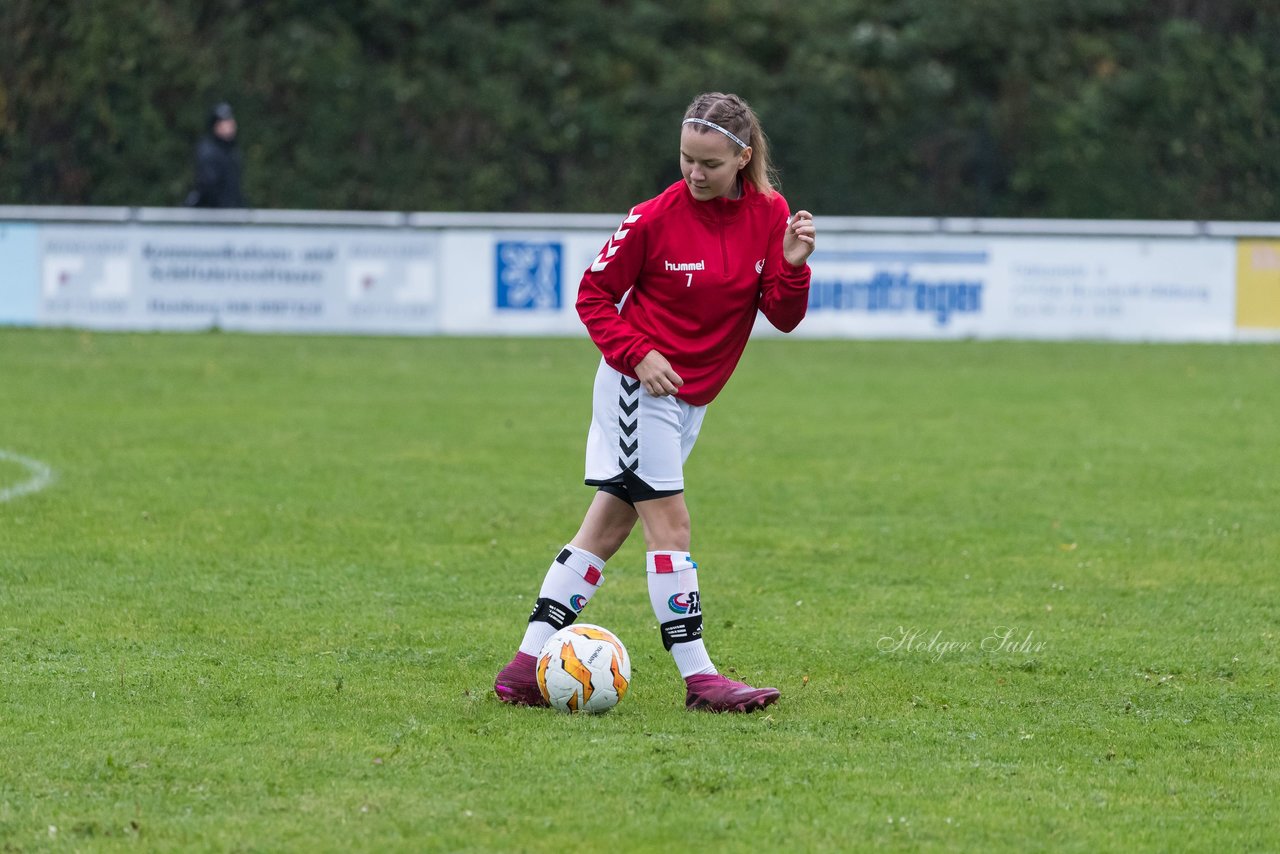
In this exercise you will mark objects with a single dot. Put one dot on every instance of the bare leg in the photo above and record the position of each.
(606, 526)
(666, 523)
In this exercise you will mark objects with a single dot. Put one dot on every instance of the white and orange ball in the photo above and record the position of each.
(584, 668)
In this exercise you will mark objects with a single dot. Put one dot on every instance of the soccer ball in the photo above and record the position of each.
(584, 668)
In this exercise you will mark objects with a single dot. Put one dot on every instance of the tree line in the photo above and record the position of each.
(1157, 109)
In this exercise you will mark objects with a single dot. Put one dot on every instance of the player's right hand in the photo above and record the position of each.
(657, 376)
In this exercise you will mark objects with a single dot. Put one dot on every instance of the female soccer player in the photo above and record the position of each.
(695, 264)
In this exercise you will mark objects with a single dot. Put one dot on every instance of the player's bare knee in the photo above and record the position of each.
(666, 531)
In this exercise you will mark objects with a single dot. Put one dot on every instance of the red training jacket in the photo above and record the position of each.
(697, 272)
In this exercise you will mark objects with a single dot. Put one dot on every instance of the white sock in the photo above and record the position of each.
(673, 593)
(572, 580)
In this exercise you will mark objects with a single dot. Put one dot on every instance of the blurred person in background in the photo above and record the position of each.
(218, 163)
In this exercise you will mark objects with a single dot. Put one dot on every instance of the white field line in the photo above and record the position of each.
(41, 476)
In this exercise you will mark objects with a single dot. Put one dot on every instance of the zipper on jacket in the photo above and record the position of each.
(724, 251)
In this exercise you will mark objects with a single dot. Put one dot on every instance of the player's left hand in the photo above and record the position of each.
(799, 239)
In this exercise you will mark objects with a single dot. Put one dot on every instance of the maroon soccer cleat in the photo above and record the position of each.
(715, 693)
(517, 683)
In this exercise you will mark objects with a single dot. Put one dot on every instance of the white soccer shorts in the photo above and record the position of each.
(635, 435)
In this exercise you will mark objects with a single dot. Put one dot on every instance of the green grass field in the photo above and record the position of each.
(261, 606)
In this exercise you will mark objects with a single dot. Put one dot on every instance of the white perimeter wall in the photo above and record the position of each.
(508, 274)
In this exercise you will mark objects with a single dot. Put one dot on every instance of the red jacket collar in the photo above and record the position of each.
(720, 209)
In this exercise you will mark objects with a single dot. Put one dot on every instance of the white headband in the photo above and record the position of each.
(715, 126)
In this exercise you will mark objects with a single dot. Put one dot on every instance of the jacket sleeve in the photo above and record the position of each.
(614, 272)
(208, 175)
(784, 293)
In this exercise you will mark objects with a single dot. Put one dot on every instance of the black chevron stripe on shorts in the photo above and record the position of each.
(629, 443)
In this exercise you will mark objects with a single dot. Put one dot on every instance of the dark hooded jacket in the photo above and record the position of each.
(218, 168)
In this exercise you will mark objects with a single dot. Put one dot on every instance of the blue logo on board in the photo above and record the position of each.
(528, 275)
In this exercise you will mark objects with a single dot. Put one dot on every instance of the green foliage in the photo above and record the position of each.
(262, 605)
(1080, 108)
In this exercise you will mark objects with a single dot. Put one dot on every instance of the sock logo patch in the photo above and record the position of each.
(681, 631)
(550, 611)
(663, 562)
(685, 603)
(577, 601)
